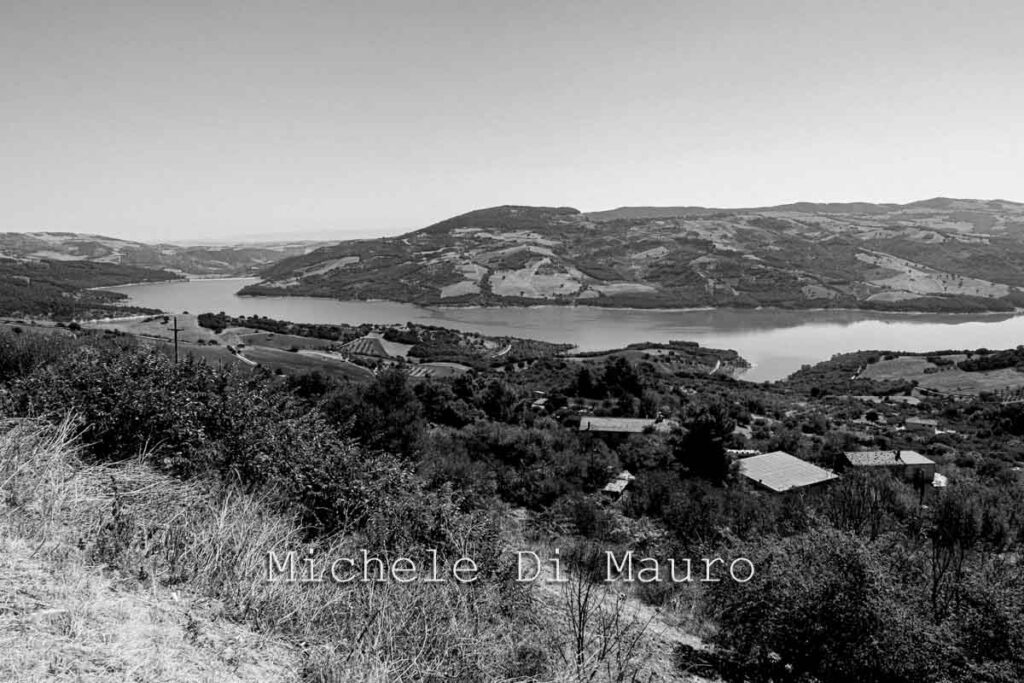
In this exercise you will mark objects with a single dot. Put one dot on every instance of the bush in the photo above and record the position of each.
(192, 419)
(811, 612)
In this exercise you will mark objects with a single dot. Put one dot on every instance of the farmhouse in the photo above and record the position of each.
(909, 465)
(780, 472)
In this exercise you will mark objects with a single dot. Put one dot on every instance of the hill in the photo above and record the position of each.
(233, 259)
(935, 255)
(62, 290)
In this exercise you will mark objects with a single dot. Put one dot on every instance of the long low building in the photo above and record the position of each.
(624, 425)
(780, 472)
(903, 463)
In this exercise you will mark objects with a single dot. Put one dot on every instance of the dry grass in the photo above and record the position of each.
(120, 573)
(62, 617)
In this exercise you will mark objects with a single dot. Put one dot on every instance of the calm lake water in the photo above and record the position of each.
(775, 342)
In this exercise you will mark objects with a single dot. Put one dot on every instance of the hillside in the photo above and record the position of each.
(236, 259)
(934, 255)
(62, 290)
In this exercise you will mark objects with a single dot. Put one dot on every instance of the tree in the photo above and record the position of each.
(385, 415)
(621, 379)
(701, 449)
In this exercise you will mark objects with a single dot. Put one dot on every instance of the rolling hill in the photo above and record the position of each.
(227, 260)
(935, 255)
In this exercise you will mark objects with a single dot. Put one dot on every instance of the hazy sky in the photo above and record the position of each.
(182, 120)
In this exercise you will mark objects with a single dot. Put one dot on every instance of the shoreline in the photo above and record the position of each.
(640, 309)
(137, 284)
(456, 307)
(590, 307)
(184, 280)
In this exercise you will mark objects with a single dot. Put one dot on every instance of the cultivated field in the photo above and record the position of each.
(947, 379)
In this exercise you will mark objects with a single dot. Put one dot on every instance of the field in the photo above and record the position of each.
(285, 352)
(282, 342)
(947, 379)
(157, 327)
(915, 279)
(533, 283)
(211, 354)
(298, 363)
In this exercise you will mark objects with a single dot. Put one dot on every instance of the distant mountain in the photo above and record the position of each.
(240, 259)
(934, 255)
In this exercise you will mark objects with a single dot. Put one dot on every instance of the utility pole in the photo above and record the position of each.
(175, 329)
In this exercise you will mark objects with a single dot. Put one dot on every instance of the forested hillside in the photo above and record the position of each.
(61, 290)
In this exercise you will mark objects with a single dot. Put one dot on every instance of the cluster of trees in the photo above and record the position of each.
(218, 322)
(997, 360)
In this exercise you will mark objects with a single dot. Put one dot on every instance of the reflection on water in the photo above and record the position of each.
(776, 342)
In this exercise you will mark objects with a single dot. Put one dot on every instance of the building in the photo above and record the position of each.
(624, 425)
(615, 425)
(908, 465)
(780, 472)
(742, 452)
(615, 488)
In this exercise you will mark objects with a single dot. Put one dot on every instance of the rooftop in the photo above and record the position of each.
(742, 452)
(629, 425)
(887, 458)
(780, 471)
(619, 483)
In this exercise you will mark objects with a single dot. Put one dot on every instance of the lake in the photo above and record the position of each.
(776, 342)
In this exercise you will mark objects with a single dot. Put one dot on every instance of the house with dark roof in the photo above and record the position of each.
(780, 472)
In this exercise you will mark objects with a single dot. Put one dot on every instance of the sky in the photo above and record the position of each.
(174, 121)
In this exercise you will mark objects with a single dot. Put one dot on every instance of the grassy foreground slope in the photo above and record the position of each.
(67, 616)
(119, 572)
